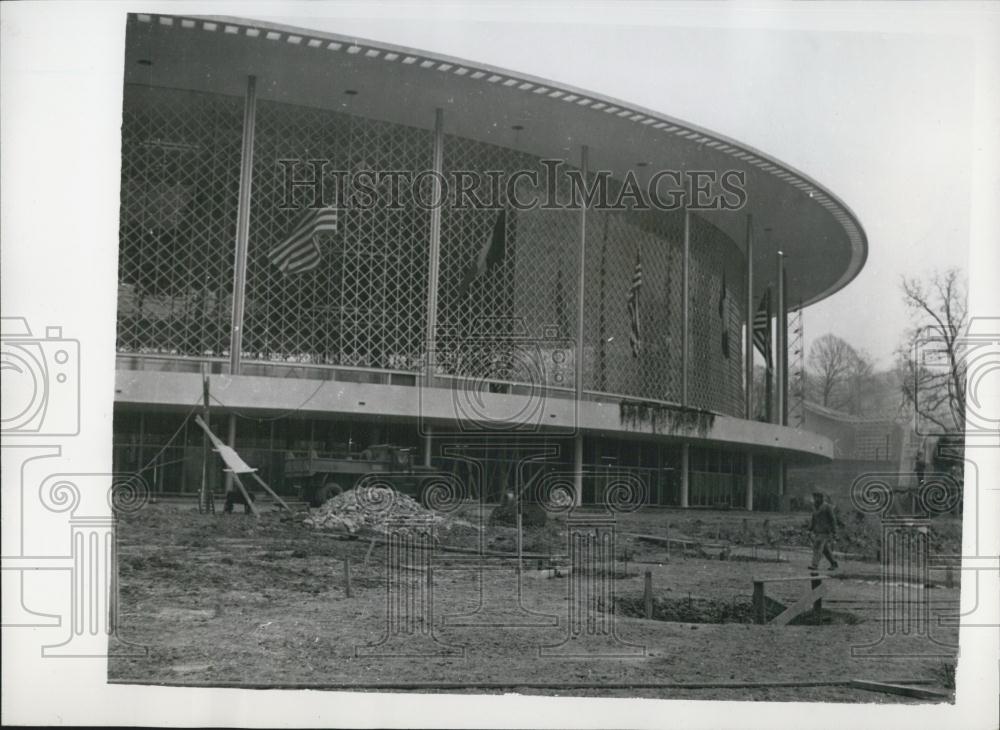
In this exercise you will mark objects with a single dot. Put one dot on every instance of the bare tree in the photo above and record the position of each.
(830, 360)
(932, 356)
(859, 384)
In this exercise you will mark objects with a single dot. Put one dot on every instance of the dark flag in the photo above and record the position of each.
(634, 335)
(490, 255)
(762, 327)
(300, 251)
(725, 320)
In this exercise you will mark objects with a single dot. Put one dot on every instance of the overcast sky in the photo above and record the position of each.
(879, 110)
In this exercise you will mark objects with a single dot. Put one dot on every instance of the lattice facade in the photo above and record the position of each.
(365, 304)
(180, 180)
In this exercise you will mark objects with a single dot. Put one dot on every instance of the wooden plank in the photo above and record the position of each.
(819, 576)
(246, 496)
(270, 491)
(900, 689)
(800, 606)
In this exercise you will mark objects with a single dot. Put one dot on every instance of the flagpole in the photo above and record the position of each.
(780, 345)
(433, 270)
(685, 305)
(242, 246)
(685, 339)
(769, 366)
(750, 312)
(578, 438)
(748, 355)
(781, 363)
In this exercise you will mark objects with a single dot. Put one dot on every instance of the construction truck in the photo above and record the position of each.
(318, 478)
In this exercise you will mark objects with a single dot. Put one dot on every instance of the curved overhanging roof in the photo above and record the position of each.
(821, 237)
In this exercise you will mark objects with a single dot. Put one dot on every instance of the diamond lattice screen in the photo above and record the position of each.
(180, 182)
(529, 295)
(715, 381)
(613, 240)
(365, 304)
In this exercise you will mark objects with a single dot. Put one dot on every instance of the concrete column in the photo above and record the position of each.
(780, 347)
(781, 484)
(428, 443)
(685, 473)
(749, 494)
(578, 468)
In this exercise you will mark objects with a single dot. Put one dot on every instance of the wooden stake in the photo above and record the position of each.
(205, 501)
(347, 577)
(648, 593)
(759, 604)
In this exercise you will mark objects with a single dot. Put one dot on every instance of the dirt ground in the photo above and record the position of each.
(235, 600)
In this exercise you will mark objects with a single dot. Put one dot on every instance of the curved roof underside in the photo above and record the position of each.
(823, 240)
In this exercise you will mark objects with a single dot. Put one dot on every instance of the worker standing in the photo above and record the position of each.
(823, 527)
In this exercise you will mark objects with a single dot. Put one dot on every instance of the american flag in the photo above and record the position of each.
(300, 251)
(762, 327)
(634, 336)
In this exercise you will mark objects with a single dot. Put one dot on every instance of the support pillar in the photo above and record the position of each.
(578, 469)
(781, 484)
(749, 493)
(781, 347)
(434, 253)
(685, 473)
(428, 443)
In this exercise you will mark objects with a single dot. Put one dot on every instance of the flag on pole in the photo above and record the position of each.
(634, 337)
(300, 251)
(762, 327)
(723, 296)
(490, 255)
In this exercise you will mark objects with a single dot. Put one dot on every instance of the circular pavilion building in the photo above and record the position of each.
(363, 244)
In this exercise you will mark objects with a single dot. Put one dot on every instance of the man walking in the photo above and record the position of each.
(823, 527)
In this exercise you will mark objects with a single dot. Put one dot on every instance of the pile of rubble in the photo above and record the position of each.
(371, 508)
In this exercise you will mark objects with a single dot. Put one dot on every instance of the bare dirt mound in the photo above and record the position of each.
(371, 508)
